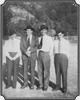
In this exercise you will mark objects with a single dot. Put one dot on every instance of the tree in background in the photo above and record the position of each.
(56, 15)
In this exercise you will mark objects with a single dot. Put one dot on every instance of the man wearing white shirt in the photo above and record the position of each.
(61, 54)
(45, 50)
(12, 53)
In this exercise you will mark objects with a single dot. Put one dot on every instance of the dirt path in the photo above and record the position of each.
(72, 82)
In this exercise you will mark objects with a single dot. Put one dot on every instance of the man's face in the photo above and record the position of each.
(60, 36)
(43, 32)
(29, 32)
(13, 36)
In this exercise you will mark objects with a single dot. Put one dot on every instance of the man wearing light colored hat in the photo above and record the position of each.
(61, 55)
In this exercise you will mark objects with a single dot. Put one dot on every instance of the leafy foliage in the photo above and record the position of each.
(56, 15)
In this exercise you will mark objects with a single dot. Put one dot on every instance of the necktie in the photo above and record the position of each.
(28, 42)
(59, 46)
(41, 42)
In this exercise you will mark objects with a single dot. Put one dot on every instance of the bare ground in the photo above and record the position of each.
(72, 82)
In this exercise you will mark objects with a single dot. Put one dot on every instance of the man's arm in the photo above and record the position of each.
(6, 50)
(51, 48)
(8, 55)
(17, 55)
(17, 46)
(36, 45)
(68, 49)
(23, 50)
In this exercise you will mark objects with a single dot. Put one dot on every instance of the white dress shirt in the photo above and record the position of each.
(64, 46)
(30, 38)
(12, 45)
(47, 44)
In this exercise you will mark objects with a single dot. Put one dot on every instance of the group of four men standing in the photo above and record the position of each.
(29, 45)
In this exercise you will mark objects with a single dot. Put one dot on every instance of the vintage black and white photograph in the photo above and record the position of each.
(40, 49)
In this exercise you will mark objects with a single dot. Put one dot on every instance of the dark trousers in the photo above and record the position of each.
(12, 68)
(43, 68)
(26, 63)
(61, 66)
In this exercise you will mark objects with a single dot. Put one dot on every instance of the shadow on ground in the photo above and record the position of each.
(20, 77)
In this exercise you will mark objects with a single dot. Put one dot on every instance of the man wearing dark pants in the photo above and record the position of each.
(12, 68)
(29, 45)
(12, 52)
(61, 54)
(44, 64)
(61, 66)
(45, 49)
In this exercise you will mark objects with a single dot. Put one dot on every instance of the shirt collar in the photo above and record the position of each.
(61, 39)
(30, 36)
(44, 35)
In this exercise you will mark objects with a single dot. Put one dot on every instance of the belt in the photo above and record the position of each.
(12, 54)
(60, 54)
(44, 51)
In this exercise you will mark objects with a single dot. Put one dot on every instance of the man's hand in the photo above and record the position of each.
(28, 53)
(14, 58)
(29, 48)
(10, 58)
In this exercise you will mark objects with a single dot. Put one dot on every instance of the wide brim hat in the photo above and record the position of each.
(59, 34)
(29, 27)
(43, 27)
(13, 35)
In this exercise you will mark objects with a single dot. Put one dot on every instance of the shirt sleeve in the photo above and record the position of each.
(18, 51)
(68, 48)
(54, 47)
(17, 55)
(51, 47)
(6, 50)
(22, 48)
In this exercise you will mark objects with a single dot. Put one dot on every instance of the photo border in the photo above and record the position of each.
(78, 54)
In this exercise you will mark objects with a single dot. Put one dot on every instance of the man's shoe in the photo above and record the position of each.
(45, 89)
(7, 87)
(32, 87)
(13, 87)
(24, 86)
(56, 89)
(39, 88)
(64, 91)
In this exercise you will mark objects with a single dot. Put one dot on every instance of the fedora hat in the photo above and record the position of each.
(59, 34)
(43, 27)
(29, 27)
